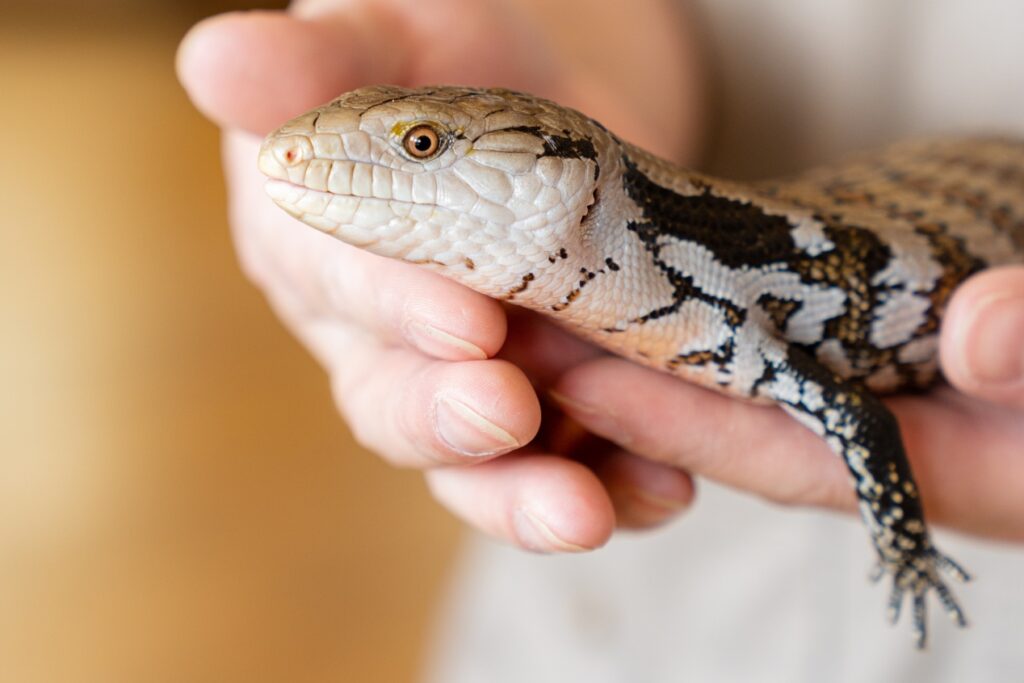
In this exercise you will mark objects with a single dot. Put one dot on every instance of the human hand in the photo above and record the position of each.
(965, 441)
(411, 355)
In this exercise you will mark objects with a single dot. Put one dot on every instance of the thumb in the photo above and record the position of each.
(982, 344)
(254, 70)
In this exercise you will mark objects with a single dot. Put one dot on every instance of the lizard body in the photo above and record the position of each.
(815, 292)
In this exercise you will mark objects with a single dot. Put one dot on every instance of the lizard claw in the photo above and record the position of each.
(917, 575)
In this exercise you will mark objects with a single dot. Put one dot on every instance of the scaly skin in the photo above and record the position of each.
(813, 293)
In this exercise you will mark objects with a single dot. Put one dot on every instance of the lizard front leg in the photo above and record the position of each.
(858, 426)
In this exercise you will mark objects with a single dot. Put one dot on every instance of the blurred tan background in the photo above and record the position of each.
(178, 500)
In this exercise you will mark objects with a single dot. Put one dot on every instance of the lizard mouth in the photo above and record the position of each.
(281, 190)
(365, 222)
(286, 192)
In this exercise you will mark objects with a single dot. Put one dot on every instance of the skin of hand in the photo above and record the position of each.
(431, 375)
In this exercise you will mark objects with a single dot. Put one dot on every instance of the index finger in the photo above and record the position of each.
(254, 70)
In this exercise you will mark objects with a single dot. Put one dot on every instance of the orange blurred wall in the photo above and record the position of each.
(178, 499)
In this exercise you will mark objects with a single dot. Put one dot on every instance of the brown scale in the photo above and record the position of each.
(850, 266)
(569, 298)
(858, 255)
(520, 288)
(957, 266)
(1007, 174)
(588, 275)
(779, 310)
(948, 250)
(693, 358)
(560, 254)
(843, 192)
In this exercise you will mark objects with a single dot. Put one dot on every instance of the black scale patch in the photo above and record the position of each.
(860, 428)
(560, 145)
(739, 234)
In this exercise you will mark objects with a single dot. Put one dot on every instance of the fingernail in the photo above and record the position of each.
(439, 343)
(467, 431)
(594, 418)
(995, 354)
(639, 508)
(534, 534)
(575, 405)
(657, 501)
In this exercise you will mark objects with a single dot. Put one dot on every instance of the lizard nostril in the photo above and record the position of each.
(290, 155)
(292, 151)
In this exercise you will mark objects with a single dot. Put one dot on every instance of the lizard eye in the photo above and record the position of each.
(422, 142)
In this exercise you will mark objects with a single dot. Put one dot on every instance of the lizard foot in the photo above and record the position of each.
(917, 574)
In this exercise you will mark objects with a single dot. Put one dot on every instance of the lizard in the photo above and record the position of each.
(816, 292)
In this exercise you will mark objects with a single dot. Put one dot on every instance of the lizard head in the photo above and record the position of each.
(486, 185)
